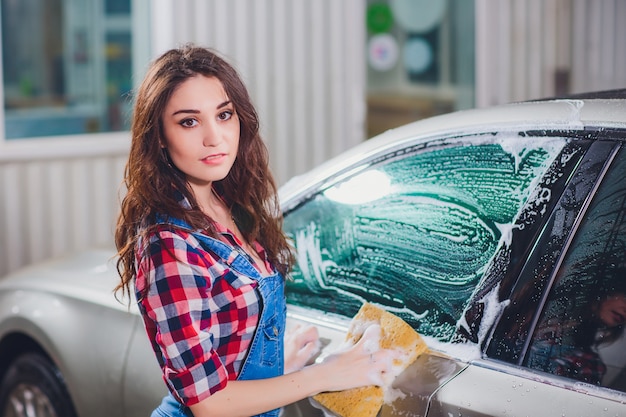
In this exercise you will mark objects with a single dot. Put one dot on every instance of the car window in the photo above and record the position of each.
(519, 276)
(415, 231)
(579, 334)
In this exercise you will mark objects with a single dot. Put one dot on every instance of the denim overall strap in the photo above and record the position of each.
(170, 407)
(232, 256)
(265, 357)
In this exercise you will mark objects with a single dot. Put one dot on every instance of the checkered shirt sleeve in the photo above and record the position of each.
(199, 317)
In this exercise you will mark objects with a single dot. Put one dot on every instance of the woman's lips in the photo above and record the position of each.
(213, 159)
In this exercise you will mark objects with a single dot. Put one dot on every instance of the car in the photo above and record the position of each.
(68, 347)
(498, 234)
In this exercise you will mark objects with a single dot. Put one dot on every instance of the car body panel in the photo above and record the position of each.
(480, 391)
(412, 391)
(143, 386)
(55, 325)
(67, 307)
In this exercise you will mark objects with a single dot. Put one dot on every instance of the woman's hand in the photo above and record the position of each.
(362, 364)
(352, 366)
(301, 345)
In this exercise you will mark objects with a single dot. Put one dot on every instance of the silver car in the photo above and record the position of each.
(498, 234)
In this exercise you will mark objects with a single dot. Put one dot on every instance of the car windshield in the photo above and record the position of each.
(415, 230)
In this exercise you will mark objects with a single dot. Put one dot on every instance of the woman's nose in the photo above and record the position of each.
(210, 135)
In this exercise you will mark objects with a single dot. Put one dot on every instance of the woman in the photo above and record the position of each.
(199, 238)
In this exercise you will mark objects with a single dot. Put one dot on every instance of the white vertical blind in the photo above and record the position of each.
(58, 196)
(524, 46)
(303, 63)
(50, 207)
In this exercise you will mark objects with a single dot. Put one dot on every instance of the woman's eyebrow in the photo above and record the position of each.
(193, 111)
(185, 111)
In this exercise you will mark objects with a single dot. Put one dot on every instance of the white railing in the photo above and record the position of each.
(58, 196)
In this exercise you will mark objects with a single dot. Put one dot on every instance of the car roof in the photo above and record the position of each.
(564, 114)
(617, 94)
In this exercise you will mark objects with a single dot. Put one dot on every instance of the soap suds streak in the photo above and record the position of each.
(422, 248)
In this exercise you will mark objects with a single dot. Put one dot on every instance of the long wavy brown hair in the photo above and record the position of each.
(152, 182)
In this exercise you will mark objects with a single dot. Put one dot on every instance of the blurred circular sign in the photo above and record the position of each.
(379, 18)
(383, 52)
(418, 15)
(418, 55)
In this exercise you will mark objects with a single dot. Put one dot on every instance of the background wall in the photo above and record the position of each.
(540, 48)
(58, 196)
(302, 60)
(304, 63)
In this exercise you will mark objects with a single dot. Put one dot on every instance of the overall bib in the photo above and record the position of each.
(265, 356)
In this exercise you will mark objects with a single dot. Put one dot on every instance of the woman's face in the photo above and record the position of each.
(201, 130)
(613, 310)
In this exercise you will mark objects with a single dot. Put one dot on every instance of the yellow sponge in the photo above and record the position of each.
(395, 334)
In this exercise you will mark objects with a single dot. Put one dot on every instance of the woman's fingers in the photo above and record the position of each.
(306, 334)
(301, 344)
(370, 340)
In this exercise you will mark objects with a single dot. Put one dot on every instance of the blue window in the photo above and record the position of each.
(66, 66)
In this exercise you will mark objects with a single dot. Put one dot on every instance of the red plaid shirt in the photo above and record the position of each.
(199, 315)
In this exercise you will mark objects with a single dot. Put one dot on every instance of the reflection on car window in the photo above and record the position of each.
(579, 333)
(414, 234)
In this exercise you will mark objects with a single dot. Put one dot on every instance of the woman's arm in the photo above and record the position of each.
(361, 365)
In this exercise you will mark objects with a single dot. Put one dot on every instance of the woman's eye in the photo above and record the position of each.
(188, 122)
(225, 115)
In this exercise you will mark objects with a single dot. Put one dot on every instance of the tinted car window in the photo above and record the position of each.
(517, 283)
(579, 332)
(415, 230)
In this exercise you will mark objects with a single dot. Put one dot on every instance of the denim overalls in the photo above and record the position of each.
(265, 356)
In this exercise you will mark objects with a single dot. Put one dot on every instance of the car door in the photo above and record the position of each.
(413, 230)
(549, 354)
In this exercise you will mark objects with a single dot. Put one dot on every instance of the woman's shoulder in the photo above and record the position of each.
(170, 237)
